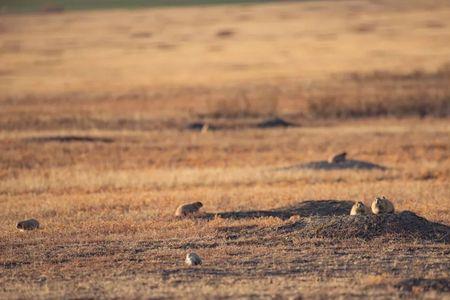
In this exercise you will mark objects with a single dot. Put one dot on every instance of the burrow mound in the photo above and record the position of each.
(325, 165)
(69, 139)
(199, 126)
(237, 125)
(405, 225)
(274, 123)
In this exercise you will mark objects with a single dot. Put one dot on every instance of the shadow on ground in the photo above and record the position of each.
(325, 165)
(303, 209)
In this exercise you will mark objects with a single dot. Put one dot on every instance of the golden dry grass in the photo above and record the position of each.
(129, 82)
(108, 229)
(163, 63)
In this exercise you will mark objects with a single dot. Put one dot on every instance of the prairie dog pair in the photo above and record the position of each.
(188, 209)
(379, 206)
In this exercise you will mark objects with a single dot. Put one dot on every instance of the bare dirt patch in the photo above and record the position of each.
(69, 139)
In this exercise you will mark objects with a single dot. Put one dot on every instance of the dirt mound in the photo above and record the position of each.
(441, 285)
(69, 139)
(331, 219)
(405, 225)
(348, 164)
(273, 123)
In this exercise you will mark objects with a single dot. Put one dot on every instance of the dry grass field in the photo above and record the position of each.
(100, 140)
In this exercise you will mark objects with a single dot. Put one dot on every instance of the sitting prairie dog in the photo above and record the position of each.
(30, 224)
(338, 158)
(382, 206)
(192, 259)
(188, 209)
(359, 208)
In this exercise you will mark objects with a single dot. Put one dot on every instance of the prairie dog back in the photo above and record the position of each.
(188, 209)
(29, 224)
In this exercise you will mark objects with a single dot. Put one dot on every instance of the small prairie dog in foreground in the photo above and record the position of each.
(359, 209)
(338, 158)
(188, 209)
(192, 259)
(382, 206)
(30, 224)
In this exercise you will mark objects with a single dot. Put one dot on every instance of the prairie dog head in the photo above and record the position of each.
(381, 201)
(197, 204)
(358, 208)
(359, 205)
(382, 205)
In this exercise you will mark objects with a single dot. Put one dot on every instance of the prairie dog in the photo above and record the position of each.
(359, 209)
(192, 259)
(382, 206)
(188, 209)
(338, 158)
(205, 128)
(30, 224)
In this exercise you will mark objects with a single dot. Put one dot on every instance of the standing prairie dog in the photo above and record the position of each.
(205, 128)
(359, 209)
(30, 224)
(188, 209)
(382, 206)
(338, 158)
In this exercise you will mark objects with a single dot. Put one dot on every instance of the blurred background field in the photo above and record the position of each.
(111, 117)
(293, 59)
(22, 6)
